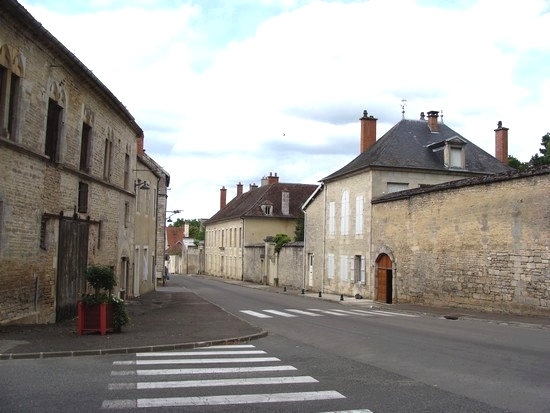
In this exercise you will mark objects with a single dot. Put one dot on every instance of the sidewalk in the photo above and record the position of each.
(174, 317)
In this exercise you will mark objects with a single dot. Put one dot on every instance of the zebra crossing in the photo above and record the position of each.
(219, 370)
(316, 312)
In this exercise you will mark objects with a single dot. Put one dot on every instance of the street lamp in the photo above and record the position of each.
(172, 213)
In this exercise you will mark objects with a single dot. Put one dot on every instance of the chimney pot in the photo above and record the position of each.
(239, 189)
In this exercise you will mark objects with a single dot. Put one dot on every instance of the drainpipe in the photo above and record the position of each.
(324, 239)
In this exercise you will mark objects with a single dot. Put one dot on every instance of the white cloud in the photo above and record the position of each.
(286, 94)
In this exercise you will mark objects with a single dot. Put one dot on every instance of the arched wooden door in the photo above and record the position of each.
(384, 274)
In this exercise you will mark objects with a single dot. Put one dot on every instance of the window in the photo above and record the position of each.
(11, 70)
(43, 233)
(344, 219)
(267, 209)
(331, 215)
(343, 268)
(126, 171)
(126, 214)
(358, 269)
(53, 130)
(330, 266)
(456, 158)
(397, 186)
(82, 197)
(359, 201)
(85, 147)
(107, 156)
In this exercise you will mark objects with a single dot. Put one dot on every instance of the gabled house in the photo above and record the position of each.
(412, 154)
(270, 209)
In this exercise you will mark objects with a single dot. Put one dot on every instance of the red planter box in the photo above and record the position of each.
(94, 318)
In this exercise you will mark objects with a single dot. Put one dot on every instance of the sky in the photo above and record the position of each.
(228, 92)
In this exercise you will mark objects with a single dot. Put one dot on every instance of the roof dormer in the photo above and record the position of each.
(453, 152)
(267, 208)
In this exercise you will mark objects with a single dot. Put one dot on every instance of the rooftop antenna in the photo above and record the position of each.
(442, 116)
(403, 104)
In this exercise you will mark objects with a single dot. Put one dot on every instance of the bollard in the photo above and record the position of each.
(341, 297)
(284, 289)
(320, 295)
(303, 291)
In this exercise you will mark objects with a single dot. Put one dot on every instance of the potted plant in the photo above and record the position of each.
(100, 310)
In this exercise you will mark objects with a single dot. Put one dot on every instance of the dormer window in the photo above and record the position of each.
(267, 208)
(453, 152)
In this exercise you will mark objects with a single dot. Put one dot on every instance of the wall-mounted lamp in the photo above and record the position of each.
(174, 212)
(141, 184)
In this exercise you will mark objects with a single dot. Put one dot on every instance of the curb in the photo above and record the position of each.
(131, 350)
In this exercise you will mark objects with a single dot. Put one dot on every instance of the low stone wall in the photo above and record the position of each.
(482, 244)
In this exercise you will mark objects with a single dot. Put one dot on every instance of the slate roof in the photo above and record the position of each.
(406, 146)
(248, 204)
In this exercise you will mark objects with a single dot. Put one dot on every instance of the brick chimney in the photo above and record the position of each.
(271, 179)
(432, 121)
(239, 189)
(368, 131)
(501, 143)
(139, 141)
(223, 197)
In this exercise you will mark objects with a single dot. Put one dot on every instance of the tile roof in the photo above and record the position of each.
(248, 204)
(173, 235)
(406, 146)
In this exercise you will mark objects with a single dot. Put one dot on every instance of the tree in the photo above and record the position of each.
(536, 160)
(196, 227)
(299, 230)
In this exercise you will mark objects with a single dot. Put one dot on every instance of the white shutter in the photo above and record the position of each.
(359, 215)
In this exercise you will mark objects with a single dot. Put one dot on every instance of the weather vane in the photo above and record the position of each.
(403, 104)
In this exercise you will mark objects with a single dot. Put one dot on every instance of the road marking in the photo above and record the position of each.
(373, 313)
(352, 411)
(199, 353)
(304, 312)
(352, 312)
(212, 383)
(215, 370)
(256, 314)
(279, 313)
(196, 361)
(328, 312)
(400, 314)
(222, 400)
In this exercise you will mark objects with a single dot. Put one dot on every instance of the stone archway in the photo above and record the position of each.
(384, 279)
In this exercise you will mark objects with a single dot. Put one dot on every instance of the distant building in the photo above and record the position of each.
(270, 209)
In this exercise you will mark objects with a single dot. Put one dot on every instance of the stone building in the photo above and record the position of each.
(339, 222)
(151, 182)
(270, 209)
(68, 151)
(481, 242)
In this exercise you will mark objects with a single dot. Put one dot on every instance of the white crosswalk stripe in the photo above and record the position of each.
(316, 312)
(139, 385)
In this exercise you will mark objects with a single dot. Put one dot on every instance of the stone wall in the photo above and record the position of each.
(480, 243)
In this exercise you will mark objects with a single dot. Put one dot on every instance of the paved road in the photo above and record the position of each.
(499, 366)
